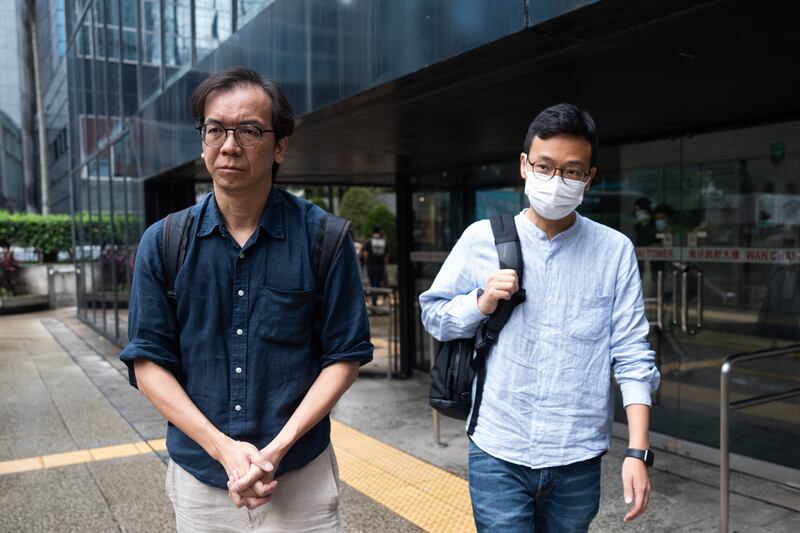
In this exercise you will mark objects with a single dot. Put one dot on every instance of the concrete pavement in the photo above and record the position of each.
(63, 389)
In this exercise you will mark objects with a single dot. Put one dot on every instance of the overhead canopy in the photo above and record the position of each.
(643, 69)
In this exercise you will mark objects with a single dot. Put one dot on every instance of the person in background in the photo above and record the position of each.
(376, 256)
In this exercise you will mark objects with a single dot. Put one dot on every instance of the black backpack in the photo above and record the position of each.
(331, 233)
(454, 367)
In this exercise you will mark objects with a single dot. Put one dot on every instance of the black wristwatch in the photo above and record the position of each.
(645, 455)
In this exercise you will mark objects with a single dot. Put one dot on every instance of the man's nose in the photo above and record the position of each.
(230, 144)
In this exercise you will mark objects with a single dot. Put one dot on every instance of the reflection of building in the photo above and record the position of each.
(433, 99)
(13, 106)
(12, 185)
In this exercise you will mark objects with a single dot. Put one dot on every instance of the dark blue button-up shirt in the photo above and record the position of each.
(241, 340)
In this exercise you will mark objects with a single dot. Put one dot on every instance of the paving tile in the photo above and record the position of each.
(56, 499)
(133, 489)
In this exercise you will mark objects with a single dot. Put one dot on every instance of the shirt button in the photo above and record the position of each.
(241, 255)
(240, 293)
(238, 370)
(238, 407)
(239, 331)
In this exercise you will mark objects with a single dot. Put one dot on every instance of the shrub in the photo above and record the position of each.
(357, 202)
(46, 234)
(51, 234)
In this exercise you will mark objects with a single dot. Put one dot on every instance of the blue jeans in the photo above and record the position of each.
(511, 498)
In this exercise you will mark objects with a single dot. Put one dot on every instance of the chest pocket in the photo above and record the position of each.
(590, 317)
(285, 317)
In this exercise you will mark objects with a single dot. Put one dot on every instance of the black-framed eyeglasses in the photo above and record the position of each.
(571, 176)
(245, 135)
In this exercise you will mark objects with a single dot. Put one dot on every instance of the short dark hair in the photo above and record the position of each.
(229, 78)
(643, 204)
(665, 210)
(563, 118)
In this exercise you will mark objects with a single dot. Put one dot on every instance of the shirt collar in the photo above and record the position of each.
(271, 221)
(538, 234)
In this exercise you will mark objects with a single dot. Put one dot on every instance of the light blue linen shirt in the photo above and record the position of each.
(548, 397)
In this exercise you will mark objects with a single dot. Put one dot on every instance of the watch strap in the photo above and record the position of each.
(645, 455)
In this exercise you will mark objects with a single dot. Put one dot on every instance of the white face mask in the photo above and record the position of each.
(552, 199)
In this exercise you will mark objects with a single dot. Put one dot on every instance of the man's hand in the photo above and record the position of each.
(256, 486)
(636, 486)
(501, 285)
(237, 457)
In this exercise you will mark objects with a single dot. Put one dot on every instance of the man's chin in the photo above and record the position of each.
(231, 185)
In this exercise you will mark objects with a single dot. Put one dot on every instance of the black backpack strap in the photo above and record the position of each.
(176, 236)
(509, 252)
(331, 233)
(506, 240)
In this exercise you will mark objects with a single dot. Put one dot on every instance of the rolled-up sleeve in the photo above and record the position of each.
(345, 326)
(631, 357)
(450, 307)
(151, 319)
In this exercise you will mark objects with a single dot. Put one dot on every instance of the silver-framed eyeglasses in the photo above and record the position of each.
(245, 135)
(571, 176)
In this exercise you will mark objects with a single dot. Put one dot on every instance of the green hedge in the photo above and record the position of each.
(53, 233)
(47, 235)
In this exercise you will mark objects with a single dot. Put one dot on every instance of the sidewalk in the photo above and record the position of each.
(62, 389)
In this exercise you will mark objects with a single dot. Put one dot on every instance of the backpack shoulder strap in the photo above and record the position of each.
(176, 235)
(331, 233)
(509, 252)
(506, 240)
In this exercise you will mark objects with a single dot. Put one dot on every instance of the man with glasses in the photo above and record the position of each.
(251, 357)
(546, 411)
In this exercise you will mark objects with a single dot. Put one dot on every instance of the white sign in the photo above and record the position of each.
(433, 256)
(766, 256)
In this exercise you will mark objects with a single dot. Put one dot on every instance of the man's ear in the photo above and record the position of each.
(522, 159)
(592, 173)
(280, 150)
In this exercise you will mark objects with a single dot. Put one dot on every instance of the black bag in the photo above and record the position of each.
(454, 367)
(331, 233)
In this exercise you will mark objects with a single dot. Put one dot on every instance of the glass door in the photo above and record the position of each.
(719, 250)
(739, 275)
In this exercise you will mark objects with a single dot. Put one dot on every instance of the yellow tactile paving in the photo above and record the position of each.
(113, 452)
(159, 445)
(67, 458)
(81, 456)
(425, 495)
(20, 465)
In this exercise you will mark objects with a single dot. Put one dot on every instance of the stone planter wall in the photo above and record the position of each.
(34, 279)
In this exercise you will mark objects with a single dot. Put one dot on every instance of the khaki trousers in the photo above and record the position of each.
(305, 500)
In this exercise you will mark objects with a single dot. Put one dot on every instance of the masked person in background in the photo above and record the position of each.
(545, 418)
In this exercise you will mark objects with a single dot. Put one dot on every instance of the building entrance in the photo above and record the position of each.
(715, 219)
(716, 223)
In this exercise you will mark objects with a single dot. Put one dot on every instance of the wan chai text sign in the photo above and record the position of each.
(767, 256)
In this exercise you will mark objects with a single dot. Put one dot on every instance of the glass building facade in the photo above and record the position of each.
(432, 99)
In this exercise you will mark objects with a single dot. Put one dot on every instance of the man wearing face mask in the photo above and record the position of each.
(546, 414)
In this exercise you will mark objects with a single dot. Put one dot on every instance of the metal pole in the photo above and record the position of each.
(40, 118)
(660, 300)
(724, 445)
(389, 342)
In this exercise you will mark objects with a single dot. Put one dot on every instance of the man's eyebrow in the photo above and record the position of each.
(572, 162)
(248, 122)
